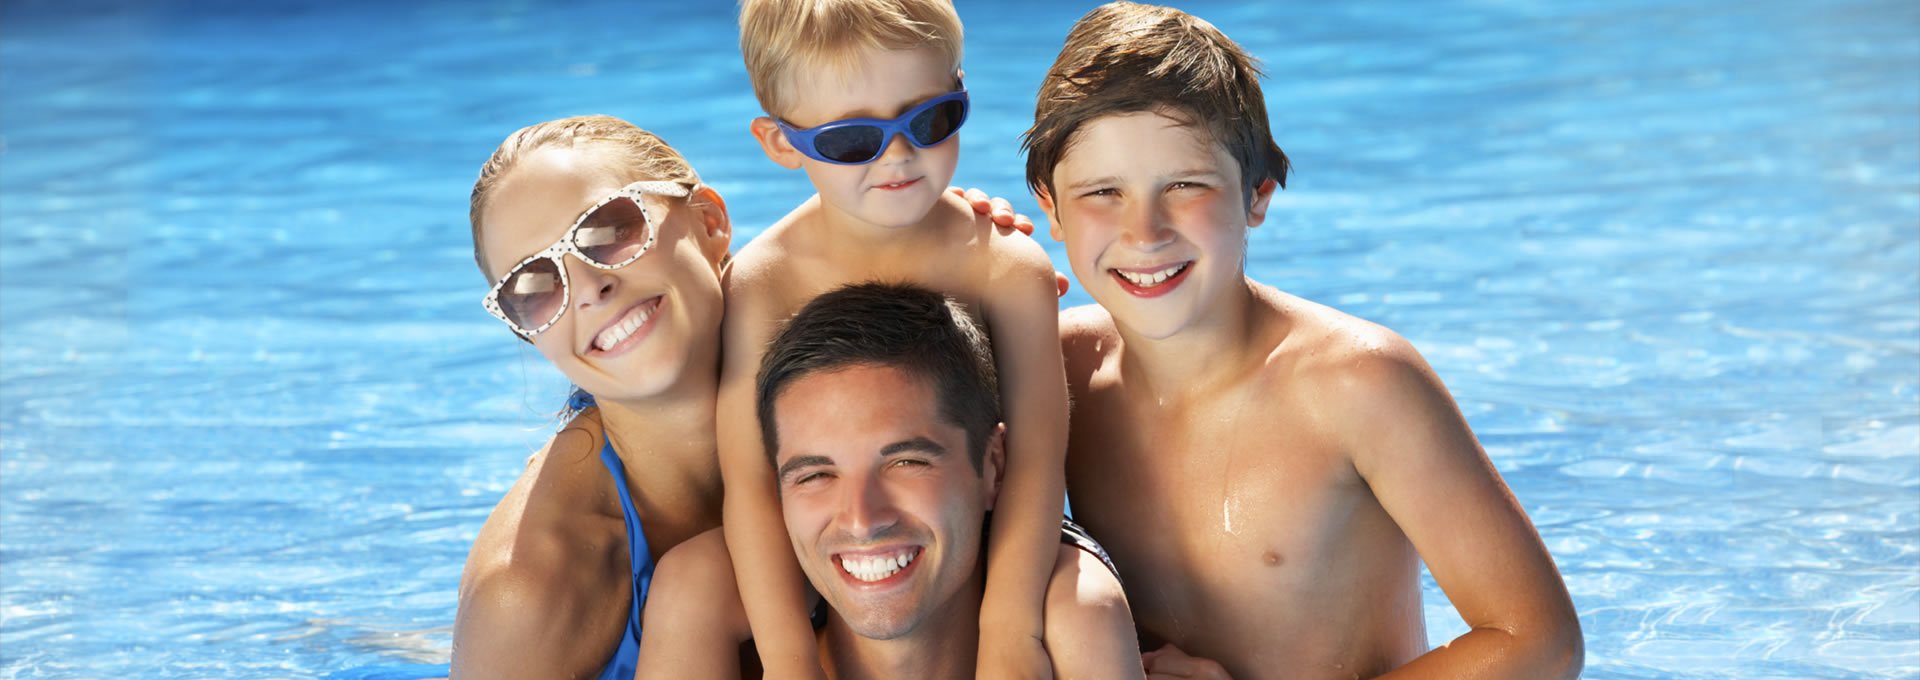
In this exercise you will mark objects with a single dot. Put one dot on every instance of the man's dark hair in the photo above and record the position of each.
(923, 333)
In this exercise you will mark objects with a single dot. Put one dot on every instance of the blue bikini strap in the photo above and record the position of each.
(638, 554)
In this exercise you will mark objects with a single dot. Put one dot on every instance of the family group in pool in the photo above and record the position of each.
(842, 452)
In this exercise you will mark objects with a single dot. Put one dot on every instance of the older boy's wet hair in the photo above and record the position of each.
(1125, 57)
(923, 333)
(778, 37)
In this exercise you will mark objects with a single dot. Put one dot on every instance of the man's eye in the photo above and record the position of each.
(909, 462)
(1103, 192)
(1185, 185)
(805, 478)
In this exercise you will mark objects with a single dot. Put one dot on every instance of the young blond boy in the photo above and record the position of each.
(1267, 472)
(882, 213)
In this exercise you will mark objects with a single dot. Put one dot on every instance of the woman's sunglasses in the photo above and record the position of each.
(857, 141)
(610, 235)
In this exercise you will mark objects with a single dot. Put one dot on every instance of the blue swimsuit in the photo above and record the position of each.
(627, 656)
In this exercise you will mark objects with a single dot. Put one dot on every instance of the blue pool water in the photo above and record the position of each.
(1666, 255)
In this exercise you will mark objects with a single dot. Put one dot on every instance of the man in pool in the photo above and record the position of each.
(879, 406)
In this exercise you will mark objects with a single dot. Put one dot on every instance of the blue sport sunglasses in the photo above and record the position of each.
(858, 141)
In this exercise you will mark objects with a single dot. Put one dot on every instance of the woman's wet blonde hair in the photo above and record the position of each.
(634, 154)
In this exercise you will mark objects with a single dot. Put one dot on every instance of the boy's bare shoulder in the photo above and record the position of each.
(1011, 251)
(970, 239)
(1353, 365)
(762, 261)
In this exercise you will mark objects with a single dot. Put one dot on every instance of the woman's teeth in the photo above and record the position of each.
(1151, 279)
(635, 319)
(870, 569)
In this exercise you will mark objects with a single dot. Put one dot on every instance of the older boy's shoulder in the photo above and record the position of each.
(1332, 353)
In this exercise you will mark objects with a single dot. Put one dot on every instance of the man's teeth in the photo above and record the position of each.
(870, 569)
(1151, 279)
(626, 327)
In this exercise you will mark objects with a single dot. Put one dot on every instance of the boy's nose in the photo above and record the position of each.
(898, 149)
(1145, 228)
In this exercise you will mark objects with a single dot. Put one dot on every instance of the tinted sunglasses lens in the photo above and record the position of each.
(936, 124)
(849, 144)
(614, 233)
(532, 295)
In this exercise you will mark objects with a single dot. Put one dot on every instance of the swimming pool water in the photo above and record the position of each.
(1666, 255)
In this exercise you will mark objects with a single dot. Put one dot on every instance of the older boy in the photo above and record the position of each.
(1268, 472)
(865, 96)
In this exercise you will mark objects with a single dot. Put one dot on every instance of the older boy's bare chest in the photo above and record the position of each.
(1221, 514)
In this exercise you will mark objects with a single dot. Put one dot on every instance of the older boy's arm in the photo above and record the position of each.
(1415, 451)
(771, 586)
(1023, 316)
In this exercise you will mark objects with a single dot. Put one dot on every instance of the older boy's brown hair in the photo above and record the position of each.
(1125, 57)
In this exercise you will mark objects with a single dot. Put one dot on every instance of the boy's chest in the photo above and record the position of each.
(1209, 504)
(954, 276)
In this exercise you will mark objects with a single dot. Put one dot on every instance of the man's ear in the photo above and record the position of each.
(1262, 198)
(993, 463)
(716, 228)
(773, 143)
(1047, 208)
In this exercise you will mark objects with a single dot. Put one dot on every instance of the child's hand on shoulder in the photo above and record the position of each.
(1003, 216)
(999, 209)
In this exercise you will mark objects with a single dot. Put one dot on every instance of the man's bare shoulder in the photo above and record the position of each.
(1087, 323)
(1087, 338)
(1089, 628)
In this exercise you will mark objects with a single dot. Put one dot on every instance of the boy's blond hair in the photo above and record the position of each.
(778, 37)
(1125, 57)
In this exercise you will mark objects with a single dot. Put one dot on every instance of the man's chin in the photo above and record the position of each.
(884, 617)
